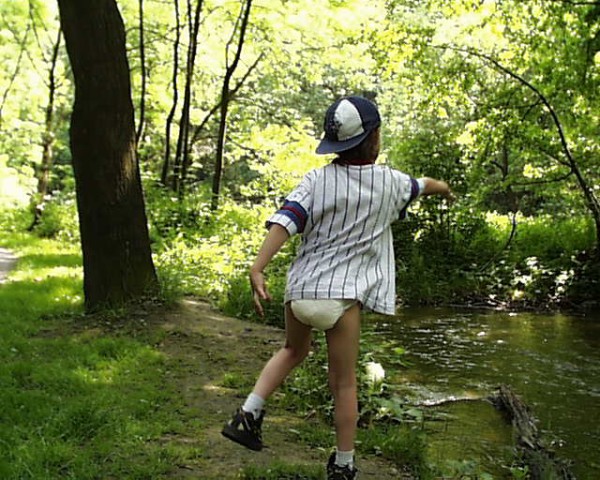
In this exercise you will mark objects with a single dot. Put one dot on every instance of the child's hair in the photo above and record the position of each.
(364, 151)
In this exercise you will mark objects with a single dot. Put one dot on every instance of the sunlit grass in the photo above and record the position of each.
(282, 471)
(75, 404)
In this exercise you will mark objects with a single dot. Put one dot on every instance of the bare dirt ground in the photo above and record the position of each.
(205, 345)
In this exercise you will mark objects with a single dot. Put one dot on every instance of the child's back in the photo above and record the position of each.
(345, 213)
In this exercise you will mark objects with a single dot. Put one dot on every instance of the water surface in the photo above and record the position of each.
(551, 361)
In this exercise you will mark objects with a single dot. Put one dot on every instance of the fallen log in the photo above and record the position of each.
(541, 463)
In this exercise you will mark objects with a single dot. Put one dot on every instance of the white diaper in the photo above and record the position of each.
(321, 314)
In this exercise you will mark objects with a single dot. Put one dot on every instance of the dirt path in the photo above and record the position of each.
(204, 346)
(7, 261)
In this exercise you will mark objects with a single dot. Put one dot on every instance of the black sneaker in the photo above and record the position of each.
(335, 472)
(244, 429)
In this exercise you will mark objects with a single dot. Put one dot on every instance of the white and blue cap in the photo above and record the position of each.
(347, 123)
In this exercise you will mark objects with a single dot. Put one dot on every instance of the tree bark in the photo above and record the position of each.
(117, 261)
(225, 98)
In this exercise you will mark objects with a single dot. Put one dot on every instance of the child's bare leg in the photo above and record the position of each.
(296, 348)
(342, 341)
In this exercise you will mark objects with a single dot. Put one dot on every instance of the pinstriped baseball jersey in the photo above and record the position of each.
(344, 214)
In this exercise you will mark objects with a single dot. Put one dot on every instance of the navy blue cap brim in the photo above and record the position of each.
(332, 146)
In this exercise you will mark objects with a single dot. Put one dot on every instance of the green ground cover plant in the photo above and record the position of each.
(75, 404)
(282, 471)
(87, 402)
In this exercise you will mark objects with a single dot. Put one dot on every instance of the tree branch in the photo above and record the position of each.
(541, 182)
(232, 94)
(511, 236)
(571, 2)
(589, 195)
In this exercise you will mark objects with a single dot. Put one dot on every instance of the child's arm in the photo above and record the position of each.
(276, 237)
(436, 187)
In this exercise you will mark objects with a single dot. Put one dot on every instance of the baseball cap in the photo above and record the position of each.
(348, 121)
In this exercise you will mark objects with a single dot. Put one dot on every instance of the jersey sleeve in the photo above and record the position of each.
(294, 212)
(408, 189)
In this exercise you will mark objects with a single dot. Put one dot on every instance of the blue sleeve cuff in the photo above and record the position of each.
(292, 216)
(416, 187)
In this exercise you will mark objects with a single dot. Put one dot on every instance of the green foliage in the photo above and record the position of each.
(59, 219)
(200, 253)
(307, 390)
(519, 473)
(15, 220)
(237, 381)
(208, 254)
(474, 260)
(449, 112)
(312, 432)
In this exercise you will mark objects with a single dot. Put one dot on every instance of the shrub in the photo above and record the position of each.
(59, 219)
(473, 260)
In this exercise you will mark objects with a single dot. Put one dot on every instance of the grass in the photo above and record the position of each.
(282, 471)
(403, 445)
(76, 403)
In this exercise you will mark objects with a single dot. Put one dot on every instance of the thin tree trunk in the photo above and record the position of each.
(142, 120)
(15, 73)
(225, 98)
(217, 107)
(43, 173)
(164, 178)
(117, 261)
(184, 124)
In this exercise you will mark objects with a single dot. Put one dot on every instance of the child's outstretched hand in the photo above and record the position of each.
(438, 187)
(259, 291)
(449, 196)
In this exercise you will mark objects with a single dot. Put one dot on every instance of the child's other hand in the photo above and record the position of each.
(437, 187)
(259, 291)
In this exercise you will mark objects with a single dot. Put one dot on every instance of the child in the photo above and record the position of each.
(345, 263)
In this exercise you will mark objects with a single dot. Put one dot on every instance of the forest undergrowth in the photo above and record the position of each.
(142, 392)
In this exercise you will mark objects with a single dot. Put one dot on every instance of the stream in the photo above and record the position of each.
(551, 361)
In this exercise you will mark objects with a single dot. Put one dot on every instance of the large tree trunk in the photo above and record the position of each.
(117, 260)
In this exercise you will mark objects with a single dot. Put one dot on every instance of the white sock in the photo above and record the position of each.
(344, 458)
(254, 404)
